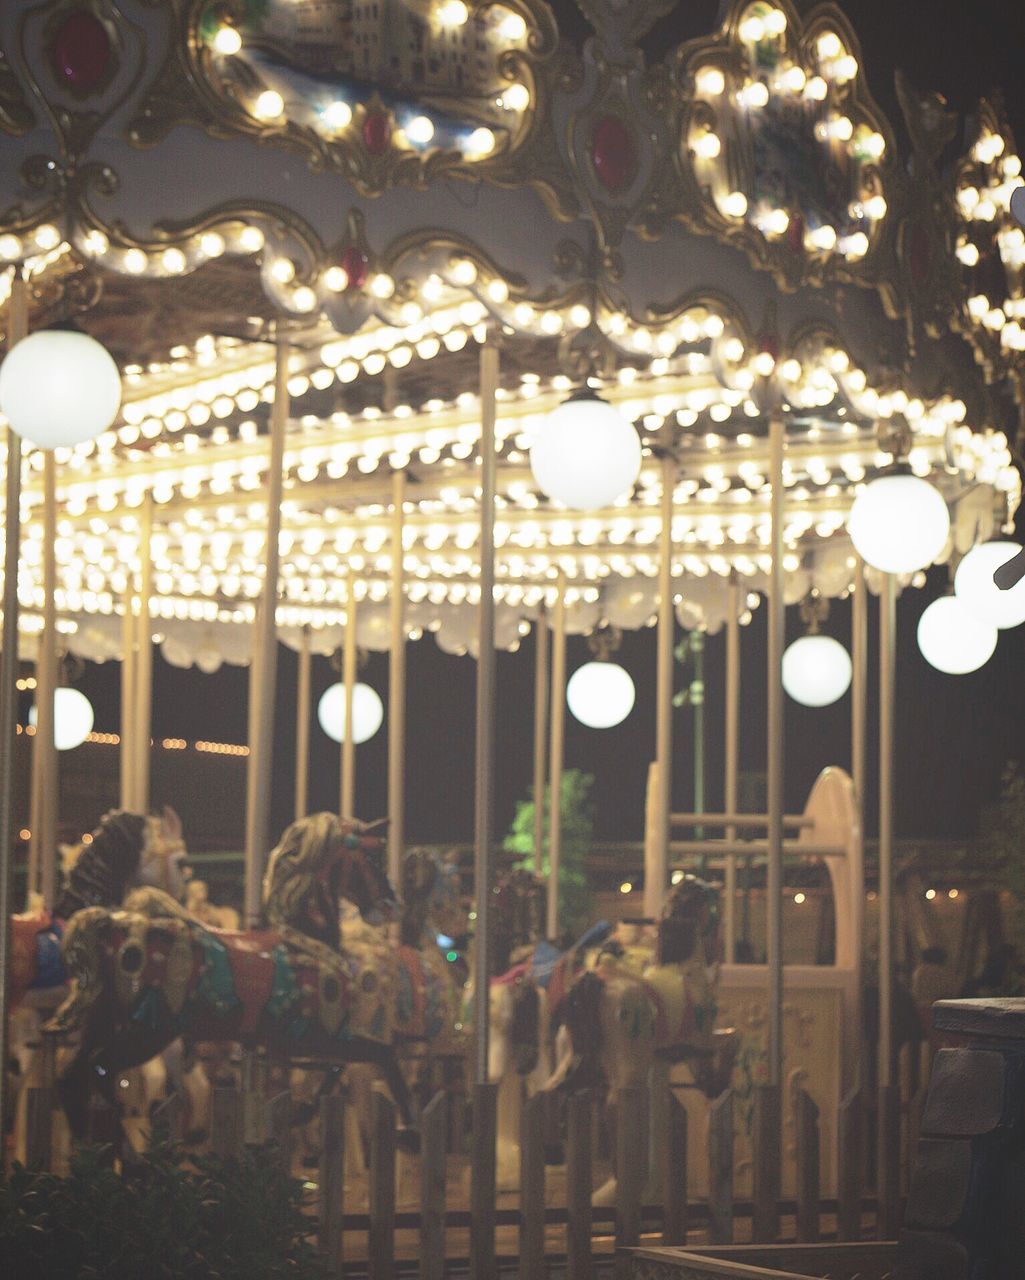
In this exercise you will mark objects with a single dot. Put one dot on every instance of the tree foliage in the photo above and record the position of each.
(215, 1219)
(577, 824)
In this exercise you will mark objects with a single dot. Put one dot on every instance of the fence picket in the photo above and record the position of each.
(433, 1143)
(382, 1186)
(720, 1173)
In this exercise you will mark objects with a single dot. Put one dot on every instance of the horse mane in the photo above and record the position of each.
(104, 867)
(299, 888)
(684, 920)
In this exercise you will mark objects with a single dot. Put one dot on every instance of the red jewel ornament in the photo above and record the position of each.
(376, 133)
(613, 153)
(356, 266)
(80, 51)
(919, 255)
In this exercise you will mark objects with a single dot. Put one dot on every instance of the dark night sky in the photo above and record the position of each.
(954, 733)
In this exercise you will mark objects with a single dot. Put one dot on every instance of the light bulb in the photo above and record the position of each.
(952, 639)
(816, 670)
(600, 694)
(975, 588)
(586, 455)
(899, 523)
(59, 387)
(367, 712)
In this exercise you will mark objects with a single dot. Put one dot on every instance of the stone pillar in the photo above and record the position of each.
(965, 1209)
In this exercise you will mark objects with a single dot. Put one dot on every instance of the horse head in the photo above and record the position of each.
(364, 874)
(689, 917)
(126, 850)
(431, 895)
(519, 916)
(320, 860)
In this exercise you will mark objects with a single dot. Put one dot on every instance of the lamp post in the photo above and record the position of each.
(17, 327)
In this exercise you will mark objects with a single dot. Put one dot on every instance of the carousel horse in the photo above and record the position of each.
(149, 974)
(518, 1057)
(198, 904)
(618, 1017)
(427, 1009)
(124, 852)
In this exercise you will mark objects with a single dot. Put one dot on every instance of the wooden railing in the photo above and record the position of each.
(572, 1235)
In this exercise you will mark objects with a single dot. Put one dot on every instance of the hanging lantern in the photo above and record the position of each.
(975, 588)
(586, 455)
(816, 670)
(59, 387)
(600, 694)
(899, 523)
(72, 718)
(367, 712)
(952, 639)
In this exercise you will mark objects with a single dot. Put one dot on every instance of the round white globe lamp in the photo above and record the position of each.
(72, 718)
(367, 712)
(586, 455)
(899, 523)
(59, 387)
(600, 694)
(816, 670)
(952, 639)
(975, 588)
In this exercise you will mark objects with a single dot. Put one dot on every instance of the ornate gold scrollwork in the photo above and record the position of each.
(781, 149)
(365, 140)
(991, 249)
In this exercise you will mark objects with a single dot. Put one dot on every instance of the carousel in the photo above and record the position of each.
(331, 324)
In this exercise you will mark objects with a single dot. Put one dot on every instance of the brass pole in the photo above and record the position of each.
(732, 742)
(540, 735)
(46, 691)
(263, 677)
(887, 708)
(484, 799)
(657, 872)
(143, 705)
(775, 748)
(397, 687)
(17, 328)
(127, 754)
(302, 727)
(859, 702)
(556, 753)
(349, 664)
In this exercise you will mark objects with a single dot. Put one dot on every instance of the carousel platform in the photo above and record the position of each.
(865, 1261)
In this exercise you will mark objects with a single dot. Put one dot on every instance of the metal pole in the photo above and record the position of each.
(17, 328)
(46, 692)
(730, 784)
(302, 727)
(350, 656)
(540, 735)
(397, 687)
(128, 637)
(484, 800)
(143, 705)
(775, 748)
(657, 873)
(859, 701)
(555, 754)
(887, 709)
(263, 677)
(697, 701)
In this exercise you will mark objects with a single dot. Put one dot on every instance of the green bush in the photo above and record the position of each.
(214, 1219)
(577, 814)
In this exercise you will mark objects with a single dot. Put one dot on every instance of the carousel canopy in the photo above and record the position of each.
(707, 241)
